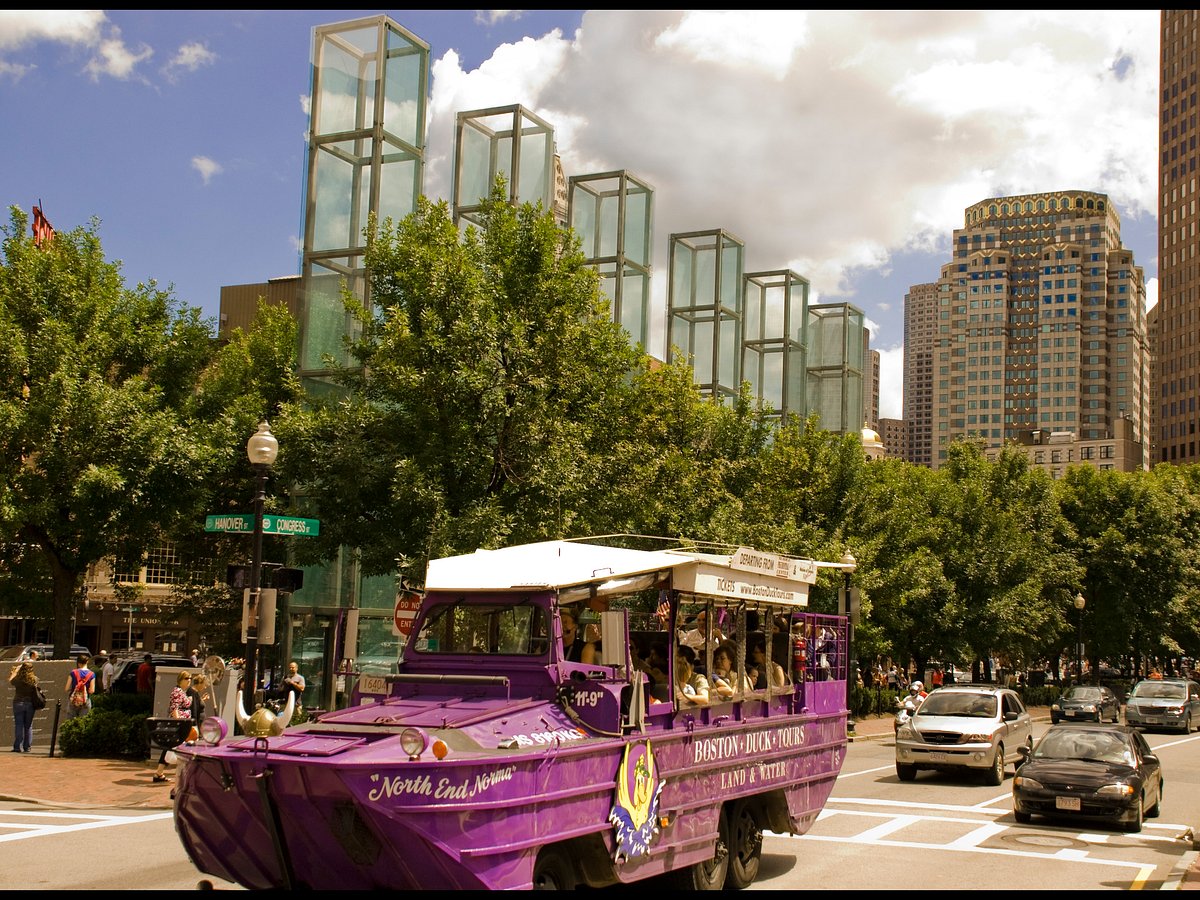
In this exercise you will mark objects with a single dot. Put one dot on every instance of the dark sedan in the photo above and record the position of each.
(1086, 703)
(1105, 772)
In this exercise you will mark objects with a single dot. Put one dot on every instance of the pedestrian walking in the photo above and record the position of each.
(293, 684)
(180, 707)
(145, 675)
(26, 699)
(200, 697)
(81, 684)
(107, 671)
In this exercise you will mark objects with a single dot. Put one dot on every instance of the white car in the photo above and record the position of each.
(965, 726)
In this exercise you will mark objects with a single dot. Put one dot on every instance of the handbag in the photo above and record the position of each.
(39, 698)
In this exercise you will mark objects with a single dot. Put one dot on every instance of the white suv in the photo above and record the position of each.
(964, 726)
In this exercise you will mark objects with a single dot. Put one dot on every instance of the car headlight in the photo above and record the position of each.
(1026, 784)
(213, 730)
(1090, 707)
(1119, 790)
(413, 742)
(906, 732)
(1174, 710)
(1055, 707)
(976, 739)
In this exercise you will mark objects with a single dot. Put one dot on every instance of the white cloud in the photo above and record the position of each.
(116, 60)
(207, 168)
(831, 142)
(21, 27)
(189, 58)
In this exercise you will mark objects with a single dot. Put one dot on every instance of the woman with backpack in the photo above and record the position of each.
(25, 704)
(81, 684)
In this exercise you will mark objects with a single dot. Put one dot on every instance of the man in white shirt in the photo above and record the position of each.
(106, 673)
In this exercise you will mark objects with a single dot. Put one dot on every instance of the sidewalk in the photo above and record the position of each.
(70, 783)
(81, 783)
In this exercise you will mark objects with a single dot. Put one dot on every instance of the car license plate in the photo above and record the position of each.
(937, 757)
(1071, 712)
(1071, 804)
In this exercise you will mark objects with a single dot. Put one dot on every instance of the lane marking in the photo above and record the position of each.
(95, 822)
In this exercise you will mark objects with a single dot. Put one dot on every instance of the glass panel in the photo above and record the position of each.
(637, 227)
(536, 168)
(635, 306)
(336, 106)
(705, 289)
(729, 378)
(326, 321)
(731, 277)
(609, 210)
(403, 113)
(755, 302)
(333, 193)
(474, 166)
(399, 184)
(583, 219)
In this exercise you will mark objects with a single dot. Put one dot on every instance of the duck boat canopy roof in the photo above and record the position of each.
(577, 570)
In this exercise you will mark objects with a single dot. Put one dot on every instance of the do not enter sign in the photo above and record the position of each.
(405, 612)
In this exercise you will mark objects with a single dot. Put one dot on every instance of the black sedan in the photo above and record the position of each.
(1105, 772)
(1086, 703)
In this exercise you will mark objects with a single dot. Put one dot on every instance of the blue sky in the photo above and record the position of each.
(842, 145)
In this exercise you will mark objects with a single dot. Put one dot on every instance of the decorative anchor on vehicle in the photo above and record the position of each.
(263, 722)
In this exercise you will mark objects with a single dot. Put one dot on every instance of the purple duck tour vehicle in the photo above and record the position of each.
(566, 713)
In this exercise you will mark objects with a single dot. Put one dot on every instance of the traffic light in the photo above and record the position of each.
(237, 577)
(287, 581)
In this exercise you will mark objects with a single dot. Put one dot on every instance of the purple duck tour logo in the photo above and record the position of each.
(635, 810)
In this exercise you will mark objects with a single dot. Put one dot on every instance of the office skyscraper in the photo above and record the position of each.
(1040, 328)
(1178, 311)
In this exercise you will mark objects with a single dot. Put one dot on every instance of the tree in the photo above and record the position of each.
(115, 423)
(1137, 534)
(487, 371)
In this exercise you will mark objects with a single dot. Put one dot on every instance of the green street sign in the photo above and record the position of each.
(281, 525)
(236, 523)
(291, 526)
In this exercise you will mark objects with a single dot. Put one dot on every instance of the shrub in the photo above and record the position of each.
(105, 733)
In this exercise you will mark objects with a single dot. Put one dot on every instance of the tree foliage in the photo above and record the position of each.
(115, 413)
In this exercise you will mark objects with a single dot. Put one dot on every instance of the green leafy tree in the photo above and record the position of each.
(114, 421)
(1005, 551)
(1137, 534)
(486, 372)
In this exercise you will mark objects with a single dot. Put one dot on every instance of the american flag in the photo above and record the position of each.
(43, 231)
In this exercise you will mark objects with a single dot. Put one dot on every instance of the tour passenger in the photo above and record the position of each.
(724, 680)
(757, 665)
(691, 688)
(575, 648)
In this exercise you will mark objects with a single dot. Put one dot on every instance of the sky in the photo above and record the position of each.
(841, 145)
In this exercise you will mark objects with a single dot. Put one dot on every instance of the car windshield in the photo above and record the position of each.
(1158, 690)
(1091, 745)
(953, 703)
(1083, 693)
(512, 629)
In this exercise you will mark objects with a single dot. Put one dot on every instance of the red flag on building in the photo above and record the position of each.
(42, 229)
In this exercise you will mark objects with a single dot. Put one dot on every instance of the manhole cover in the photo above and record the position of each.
(1057, 841)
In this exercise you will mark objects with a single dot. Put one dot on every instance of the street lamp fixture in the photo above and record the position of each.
(262, 448)
(849, 564)
(1080, 603)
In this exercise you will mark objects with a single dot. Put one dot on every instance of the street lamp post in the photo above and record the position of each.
(262, 448)
(1080, 603)
(849, 564)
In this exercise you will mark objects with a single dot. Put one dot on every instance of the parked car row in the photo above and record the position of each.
(1086, 765)
(20, 652)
